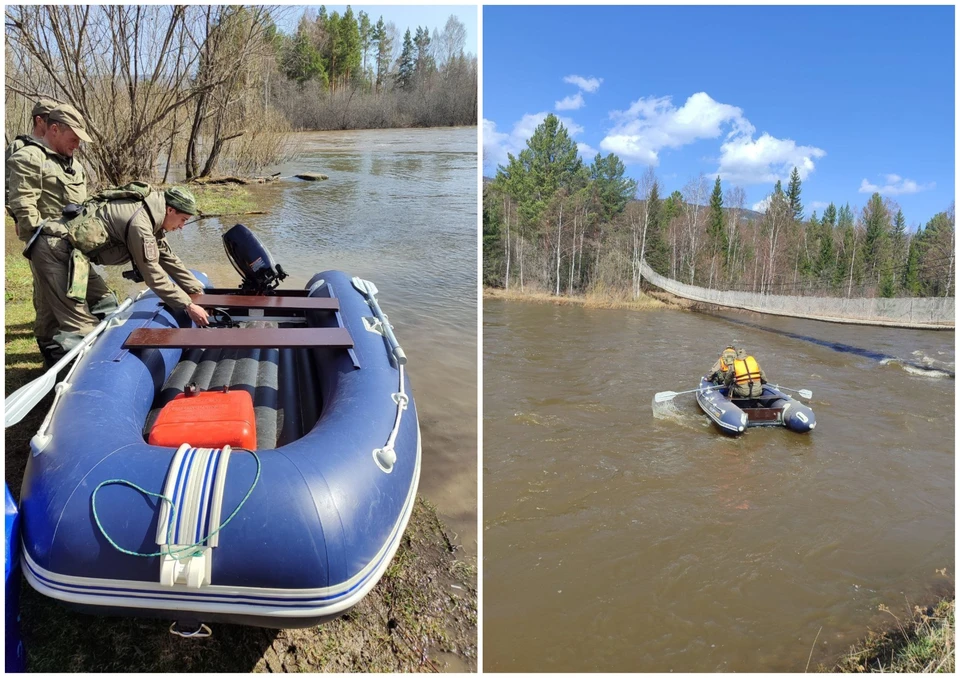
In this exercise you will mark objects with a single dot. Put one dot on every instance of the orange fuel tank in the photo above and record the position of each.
(207, 419)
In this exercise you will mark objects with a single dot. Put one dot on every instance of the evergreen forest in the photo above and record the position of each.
(552, 222)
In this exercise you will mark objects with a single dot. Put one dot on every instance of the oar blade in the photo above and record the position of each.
(805, 393)
(19, 403)
(360, 284)
(664, 396)
(365, 287)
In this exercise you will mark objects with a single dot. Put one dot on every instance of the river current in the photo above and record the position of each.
(624, 536)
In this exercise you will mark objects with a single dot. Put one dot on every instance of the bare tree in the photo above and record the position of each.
(735, 199)
(233, 47)
(694, 194)
(449, 44)
(125, 68)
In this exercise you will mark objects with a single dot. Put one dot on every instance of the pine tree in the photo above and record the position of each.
(716, 227)
(384, 48)
(366, 40)
(847, 237)
(612, 190)
(793, 195)
(876, 221)
(424, 63)
(911, 276)
(301, 60)
(898, 249)
(332, 49)
(552, 162)
(656, 247)
(349, 57)
(405, 64)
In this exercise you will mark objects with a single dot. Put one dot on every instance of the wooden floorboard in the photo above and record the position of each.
(245, 337)
(266, 302)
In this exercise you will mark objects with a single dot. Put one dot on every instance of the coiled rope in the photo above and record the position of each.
(187, 551)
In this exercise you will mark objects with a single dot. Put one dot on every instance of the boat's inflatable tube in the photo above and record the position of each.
(775, 408)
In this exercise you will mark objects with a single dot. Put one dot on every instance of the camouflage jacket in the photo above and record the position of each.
(144, 244)
(39, 183)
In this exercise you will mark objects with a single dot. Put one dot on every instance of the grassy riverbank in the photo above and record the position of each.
(602, 300)
(421, 616)
(923, 644)
(222, 198)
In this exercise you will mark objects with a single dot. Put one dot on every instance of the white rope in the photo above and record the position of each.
(386, 456)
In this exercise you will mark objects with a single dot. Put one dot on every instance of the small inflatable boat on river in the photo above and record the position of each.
(259, 473)
(735, 415)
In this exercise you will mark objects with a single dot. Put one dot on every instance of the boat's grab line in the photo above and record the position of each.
(386, 456)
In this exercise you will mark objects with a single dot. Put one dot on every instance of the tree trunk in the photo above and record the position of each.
(506, 209)
(559, 234)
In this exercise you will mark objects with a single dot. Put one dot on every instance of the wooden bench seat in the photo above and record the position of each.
(245, 337)
(270, 303)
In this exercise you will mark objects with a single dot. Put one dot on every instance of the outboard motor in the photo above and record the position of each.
(258, 271)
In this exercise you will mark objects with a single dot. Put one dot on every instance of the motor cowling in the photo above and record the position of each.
(259, 273)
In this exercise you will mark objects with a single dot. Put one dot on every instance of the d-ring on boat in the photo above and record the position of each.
(260, 474)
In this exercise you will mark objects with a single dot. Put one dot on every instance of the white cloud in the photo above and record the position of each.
(652, 124)
(765, 160)
(587, 152)
(570, 103)
(896, 185)
(762, 205)
(819, 205)
(586, 84)
(496, 145)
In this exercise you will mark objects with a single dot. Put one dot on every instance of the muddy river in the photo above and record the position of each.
(399, 209)
(619, 536)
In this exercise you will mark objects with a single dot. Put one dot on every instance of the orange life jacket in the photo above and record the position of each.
(747, 370)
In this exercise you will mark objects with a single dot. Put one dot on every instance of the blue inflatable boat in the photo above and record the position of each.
(15, 658)
(276, 495)
(735, 415)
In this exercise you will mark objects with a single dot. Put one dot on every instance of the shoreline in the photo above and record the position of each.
(923, 643)
(645, 302)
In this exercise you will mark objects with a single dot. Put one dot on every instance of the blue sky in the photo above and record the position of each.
(403, 16)
(860, 99)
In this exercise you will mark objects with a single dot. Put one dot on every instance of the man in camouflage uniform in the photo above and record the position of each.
(39, 117)
(718, 372)
(746, 377)
(136, 230)
(43, 177)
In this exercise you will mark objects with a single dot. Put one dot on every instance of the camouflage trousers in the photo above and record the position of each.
(62, 322)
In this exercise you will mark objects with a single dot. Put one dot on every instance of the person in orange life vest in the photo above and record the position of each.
(719, 370)
(746, 377)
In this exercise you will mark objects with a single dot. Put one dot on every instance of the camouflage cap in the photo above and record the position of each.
(70, 116)
(181, 200)
(741, 353)
(43, 107)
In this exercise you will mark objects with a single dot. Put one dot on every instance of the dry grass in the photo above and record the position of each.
(590, 300)
(923, 644)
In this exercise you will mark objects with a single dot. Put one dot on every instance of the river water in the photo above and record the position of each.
(399, 209)
(623, 537)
